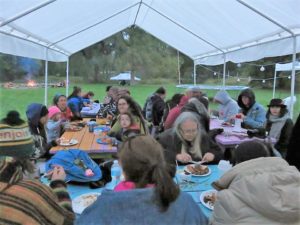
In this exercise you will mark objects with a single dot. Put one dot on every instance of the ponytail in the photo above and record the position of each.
(166, 191)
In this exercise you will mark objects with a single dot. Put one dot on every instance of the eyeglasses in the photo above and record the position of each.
(189, 131)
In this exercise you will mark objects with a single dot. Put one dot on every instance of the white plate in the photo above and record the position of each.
(205, 193)
(83, 201)
(71, 142)
(203, 175)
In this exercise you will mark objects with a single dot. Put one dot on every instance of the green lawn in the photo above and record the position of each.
(18, 99)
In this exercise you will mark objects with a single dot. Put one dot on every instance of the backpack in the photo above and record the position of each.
(75, 163)
(147, 109)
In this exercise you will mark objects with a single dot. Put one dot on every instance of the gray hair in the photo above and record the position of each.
(183, 117)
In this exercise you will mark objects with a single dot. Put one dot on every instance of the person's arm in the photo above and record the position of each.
(256, 118)
(59, 188)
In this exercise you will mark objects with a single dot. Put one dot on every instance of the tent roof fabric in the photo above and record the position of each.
(206, 30)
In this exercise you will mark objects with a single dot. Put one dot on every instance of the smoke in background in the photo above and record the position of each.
(29, 66)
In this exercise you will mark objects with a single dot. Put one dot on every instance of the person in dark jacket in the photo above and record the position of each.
(158, 105)
(188, 140)
(252, 113)
(37, 115)
(293, 152)
(279, 125)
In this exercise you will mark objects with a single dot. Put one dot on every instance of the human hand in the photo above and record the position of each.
(58, 173)
(183, 157)
(58, 141)
(208, 157)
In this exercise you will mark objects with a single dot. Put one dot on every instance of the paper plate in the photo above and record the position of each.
(83, 201)
(196, 175)
(70, 143)
(208, 205)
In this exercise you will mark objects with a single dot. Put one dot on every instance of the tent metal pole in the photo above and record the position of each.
(195, 73)
(178, 68)
(274, 83)
(293, 77)
(67, 78)
(224, 71)
(46, 79)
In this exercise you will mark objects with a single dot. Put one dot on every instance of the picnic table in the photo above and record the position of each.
(87, 141)
(229, 138)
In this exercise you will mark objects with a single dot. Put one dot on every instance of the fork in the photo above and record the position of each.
(195, 162)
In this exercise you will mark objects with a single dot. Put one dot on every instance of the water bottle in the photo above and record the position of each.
(237, 123)
(116, 172)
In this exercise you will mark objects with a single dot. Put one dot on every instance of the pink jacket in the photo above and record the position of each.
(127, 185)
(174, 113)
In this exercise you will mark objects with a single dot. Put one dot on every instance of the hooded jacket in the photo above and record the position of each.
(227, 106)
(255, 113)
(174, 113)
(41, 147)
(293, 153)
(259, 191)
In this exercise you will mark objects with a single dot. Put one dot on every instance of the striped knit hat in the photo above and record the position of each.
(15, 138)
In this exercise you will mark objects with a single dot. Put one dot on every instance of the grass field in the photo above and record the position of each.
(18, 99)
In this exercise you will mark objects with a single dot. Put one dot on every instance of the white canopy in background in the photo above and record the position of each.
(124, 76)
(286, 66)
(210, 32)
(244, 30)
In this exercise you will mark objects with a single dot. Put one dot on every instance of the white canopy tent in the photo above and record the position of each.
(210, 32)
(124, 76)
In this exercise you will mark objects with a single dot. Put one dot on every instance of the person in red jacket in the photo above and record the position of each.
(174, 113)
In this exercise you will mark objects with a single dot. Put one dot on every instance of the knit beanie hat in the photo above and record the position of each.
(44, 111)
(53, 110)
(15, 138)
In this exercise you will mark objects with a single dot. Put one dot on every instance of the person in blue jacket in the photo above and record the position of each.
(252, 113)
(75, 102)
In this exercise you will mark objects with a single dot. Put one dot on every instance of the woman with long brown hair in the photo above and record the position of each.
(148, 194)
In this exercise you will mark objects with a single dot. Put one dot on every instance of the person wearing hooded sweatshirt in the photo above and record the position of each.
(258, 190)
(174, 113)
(37, 115)
(252, 113)
(279, 125)
(227, 106)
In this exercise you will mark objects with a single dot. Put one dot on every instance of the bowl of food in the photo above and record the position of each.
(197, 170)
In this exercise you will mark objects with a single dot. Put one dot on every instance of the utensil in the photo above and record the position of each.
(195, 162)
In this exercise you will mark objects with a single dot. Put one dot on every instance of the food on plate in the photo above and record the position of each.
(89, 199)
(101, 121)
(197, 169)
(64, 141)
(106, 140)
(210, 199)
(75, 128)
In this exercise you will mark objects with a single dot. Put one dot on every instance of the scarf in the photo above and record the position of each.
(193, 148)
(276, 125)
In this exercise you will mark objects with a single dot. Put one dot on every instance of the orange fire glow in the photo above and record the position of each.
(31, 83)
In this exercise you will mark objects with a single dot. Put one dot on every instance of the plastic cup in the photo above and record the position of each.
(223, 167)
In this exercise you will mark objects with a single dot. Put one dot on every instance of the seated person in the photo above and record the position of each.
(37, 115)
(109, 109)
(87, 99)
(147, 196)
(129, 128)
(25, 201)
(75, 102)
(187, 141)
(252, 113)
(293, 154)
(258, 190)
(279, 125)
(54, 124)
(228, 107)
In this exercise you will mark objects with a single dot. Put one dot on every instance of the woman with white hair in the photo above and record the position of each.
(188, 140)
